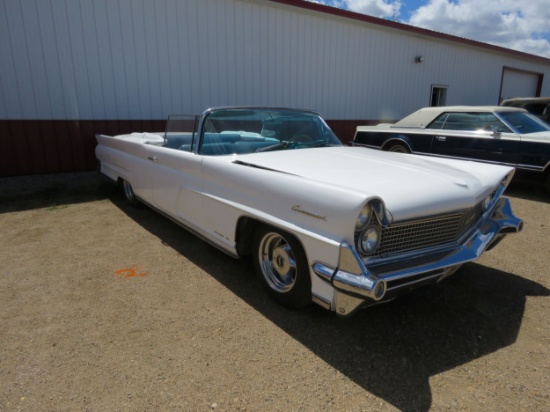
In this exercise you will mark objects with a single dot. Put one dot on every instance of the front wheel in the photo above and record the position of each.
(281, 264)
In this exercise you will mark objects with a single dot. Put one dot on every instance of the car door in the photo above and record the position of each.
(477, 136)
(176, 178)
(175, 172)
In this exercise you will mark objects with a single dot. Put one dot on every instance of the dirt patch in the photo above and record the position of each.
(108, 307)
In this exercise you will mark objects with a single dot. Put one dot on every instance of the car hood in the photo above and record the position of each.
(410, 186)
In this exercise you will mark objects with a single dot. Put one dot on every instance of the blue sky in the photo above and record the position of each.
(522, 25)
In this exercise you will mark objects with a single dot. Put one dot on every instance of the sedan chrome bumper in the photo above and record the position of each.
(357, 286)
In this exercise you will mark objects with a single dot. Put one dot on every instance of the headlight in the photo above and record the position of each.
(370, 239)
(364, 217)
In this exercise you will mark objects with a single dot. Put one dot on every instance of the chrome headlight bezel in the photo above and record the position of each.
(364, 217)
(369, 240)
(369, 225)
(486, 204)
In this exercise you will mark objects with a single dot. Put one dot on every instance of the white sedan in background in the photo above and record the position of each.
(340, 226)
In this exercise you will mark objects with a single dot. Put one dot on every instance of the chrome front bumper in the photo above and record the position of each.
(356, 285)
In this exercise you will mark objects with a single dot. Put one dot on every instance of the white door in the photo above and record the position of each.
(176, 183)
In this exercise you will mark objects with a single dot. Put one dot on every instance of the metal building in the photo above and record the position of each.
(73, 68)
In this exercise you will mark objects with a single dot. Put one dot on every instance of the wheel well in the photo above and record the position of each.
(397, 140)
(245, 232)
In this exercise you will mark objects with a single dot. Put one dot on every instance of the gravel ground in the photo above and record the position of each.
(106, 307)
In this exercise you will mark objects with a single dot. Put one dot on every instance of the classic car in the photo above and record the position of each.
(493, 134)
(341, 226)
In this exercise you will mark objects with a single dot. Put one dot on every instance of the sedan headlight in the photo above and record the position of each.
(364, 217)
(370, 239)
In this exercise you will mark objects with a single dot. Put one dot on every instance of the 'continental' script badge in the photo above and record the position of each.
(298, 208)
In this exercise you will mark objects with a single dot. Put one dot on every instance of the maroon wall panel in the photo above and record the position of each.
(7, 150)
(345, 129)
(51, 146)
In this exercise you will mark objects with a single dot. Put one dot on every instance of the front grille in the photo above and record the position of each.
(426, 233)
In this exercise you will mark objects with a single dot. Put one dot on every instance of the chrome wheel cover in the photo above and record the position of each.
(277, 262)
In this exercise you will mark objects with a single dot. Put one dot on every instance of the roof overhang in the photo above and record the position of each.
(389, 24)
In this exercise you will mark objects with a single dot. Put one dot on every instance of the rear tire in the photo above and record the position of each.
(281, 265)
(129, 193)
(399, 148)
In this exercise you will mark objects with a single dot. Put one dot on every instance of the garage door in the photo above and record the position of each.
(516, 83)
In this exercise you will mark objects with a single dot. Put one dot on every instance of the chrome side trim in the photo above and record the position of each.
(519, 166)
(189, 228)
(531, 167)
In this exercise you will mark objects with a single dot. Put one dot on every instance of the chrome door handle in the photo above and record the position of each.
(153, 158)
(441, 138)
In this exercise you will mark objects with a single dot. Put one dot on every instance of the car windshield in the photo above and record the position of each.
(243, 131)
(524, 123)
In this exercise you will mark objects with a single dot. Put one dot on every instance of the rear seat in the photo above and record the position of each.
(216, 149)
(175, 141)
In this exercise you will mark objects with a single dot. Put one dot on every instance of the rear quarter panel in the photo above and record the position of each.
(418, 141)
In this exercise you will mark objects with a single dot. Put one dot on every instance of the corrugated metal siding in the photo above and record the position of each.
(135, 59)
(81, 60)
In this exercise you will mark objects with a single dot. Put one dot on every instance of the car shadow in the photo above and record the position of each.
(390, 350)
(20, 193)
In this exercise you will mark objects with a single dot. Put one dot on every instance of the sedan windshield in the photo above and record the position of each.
(242, 131)
(524, 123)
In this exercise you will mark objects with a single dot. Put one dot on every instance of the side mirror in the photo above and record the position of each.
(495, 131)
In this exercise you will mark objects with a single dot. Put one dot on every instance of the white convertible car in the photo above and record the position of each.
(344, 227)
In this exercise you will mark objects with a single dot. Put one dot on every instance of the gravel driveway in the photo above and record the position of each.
(106, 307)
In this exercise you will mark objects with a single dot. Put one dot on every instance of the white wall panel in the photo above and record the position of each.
(142, 59)
(10, 104)
(23, 79)
(73, 42)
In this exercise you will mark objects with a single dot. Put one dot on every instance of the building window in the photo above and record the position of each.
(439, 96)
